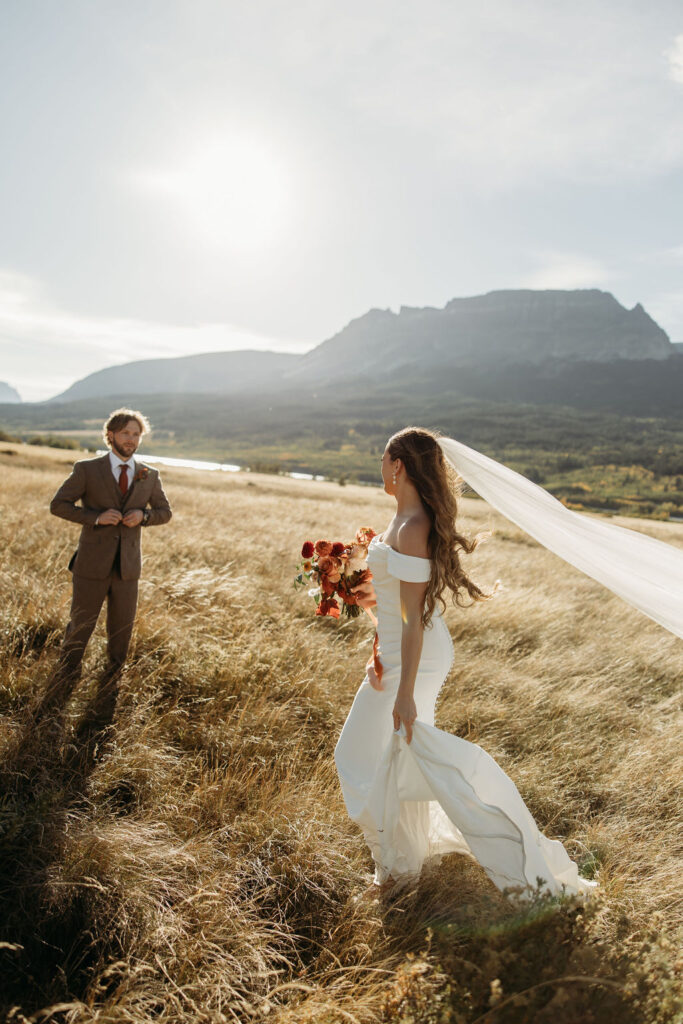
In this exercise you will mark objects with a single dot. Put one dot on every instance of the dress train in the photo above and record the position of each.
(440, 793)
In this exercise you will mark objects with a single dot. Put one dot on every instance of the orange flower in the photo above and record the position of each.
(365, 535)
(323, 547)
(328, 606)
(327, 586)
(346, 595)
(329, 566)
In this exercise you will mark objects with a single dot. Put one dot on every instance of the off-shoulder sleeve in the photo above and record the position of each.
(408, 567)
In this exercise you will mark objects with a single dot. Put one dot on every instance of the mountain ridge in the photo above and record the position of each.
(514, 326)
(510, 327)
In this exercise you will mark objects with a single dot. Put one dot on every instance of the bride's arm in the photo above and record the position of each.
(412, 540)
(412, 635)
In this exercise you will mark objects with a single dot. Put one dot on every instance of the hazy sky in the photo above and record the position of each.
(179, 176)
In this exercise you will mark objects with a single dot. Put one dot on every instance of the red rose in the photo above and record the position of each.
(338, 549)
(323, 547)
(307, 550)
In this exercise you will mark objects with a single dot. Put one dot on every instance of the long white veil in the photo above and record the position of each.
(645, 572)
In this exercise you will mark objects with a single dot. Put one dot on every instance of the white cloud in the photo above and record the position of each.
(504, 91)
(44, 349)
(566, 270)
(675, 58)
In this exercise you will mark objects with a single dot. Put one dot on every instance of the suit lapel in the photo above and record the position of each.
(109, 481)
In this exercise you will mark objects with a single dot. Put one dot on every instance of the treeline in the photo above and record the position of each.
(591, 459)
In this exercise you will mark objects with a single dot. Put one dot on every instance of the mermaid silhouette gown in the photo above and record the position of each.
(439, 794)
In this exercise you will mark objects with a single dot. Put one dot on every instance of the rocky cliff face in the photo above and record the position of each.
(521, 326)
(8, 393)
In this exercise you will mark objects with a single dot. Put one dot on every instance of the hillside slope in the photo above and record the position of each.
(197, 864)
(223, 372)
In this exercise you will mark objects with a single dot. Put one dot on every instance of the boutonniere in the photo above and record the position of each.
(141, 474)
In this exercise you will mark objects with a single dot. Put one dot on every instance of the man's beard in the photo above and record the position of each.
(121, 454)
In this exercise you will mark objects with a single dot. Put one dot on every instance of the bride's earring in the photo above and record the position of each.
(393, 479)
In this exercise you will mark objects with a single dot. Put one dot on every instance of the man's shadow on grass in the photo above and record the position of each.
(45, 769)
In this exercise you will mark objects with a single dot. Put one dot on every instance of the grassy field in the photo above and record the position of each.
(198, 864)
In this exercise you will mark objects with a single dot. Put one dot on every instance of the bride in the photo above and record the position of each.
(414, 790)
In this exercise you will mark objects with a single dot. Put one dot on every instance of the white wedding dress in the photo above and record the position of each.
(439, 794)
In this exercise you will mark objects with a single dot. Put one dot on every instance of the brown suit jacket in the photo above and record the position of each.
(92, 483)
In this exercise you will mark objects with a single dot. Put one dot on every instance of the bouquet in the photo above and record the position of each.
(335, 568)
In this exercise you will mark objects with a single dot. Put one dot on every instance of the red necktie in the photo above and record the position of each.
(123, 480)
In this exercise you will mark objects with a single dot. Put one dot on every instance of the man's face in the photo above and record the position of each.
(125, 441)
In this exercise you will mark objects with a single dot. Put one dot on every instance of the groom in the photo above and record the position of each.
(118, 495)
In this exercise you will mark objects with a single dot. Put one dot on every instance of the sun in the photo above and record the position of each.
(232, 190)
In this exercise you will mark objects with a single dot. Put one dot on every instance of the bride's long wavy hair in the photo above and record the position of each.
(439, 488)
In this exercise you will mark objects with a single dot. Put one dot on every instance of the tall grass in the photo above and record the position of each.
(195, 861)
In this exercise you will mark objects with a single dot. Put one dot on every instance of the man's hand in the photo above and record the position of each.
(112, 517)
(133, 517)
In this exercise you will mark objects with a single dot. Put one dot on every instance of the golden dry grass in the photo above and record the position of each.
(198, 865)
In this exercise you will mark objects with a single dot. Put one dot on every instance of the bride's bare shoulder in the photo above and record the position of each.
(413, 536)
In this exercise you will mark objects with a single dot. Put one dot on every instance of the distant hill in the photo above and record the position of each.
(8, 394)
(501, 327)
(678, 345)
(212, 372)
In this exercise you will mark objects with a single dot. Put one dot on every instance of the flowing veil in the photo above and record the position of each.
(645, 572)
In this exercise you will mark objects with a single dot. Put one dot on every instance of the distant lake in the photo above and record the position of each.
(221, 467)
